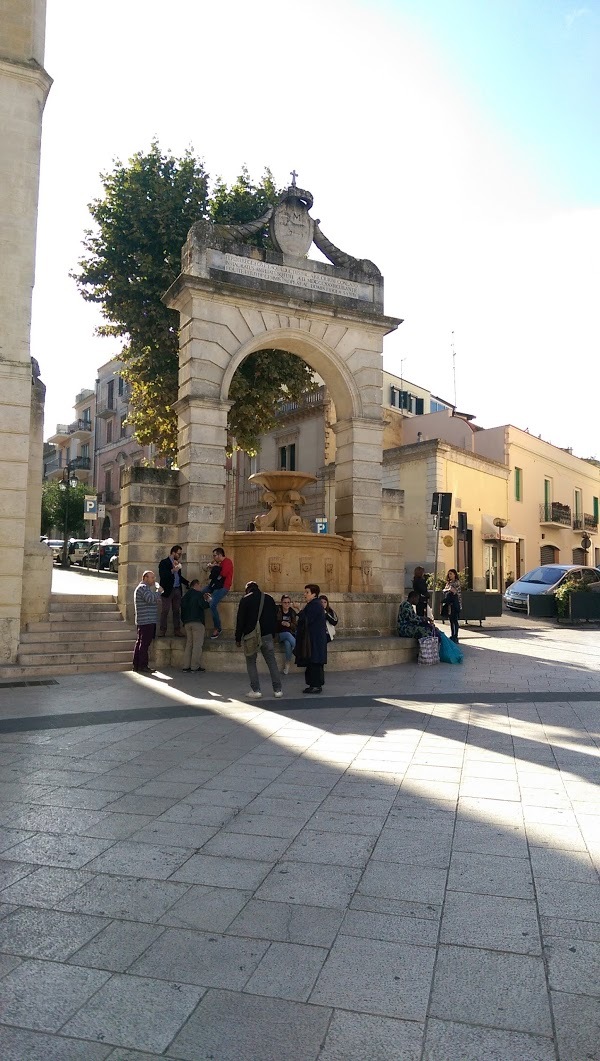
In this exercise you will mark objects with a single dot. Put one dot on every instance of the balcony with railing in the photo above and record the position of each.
(56, 466)
(78, 429)
(554, 512)
(106, 407)
(307, 401)
(107, 497)
(590, 522)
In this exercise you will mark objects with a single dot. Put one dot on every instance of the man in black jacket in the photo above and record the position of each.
(249, 615)
(170, 577)
(193, 606)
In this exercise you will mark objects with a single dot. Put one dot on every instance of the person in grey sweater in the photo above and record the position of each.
(145, 600)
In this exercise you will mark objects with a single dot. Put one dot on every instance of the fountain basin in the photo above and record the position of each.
(282, 562)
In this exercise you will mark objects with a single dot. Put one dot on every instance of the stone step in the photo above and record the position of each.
(344, 654)
(82, 598)
(83, 609)
(81, 648)
(67, 616)
(55, 635)
(97, 659)
(59, 624)
(16, 672)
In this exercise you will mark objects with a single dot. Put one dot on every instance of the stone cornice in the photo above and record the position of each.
(234, 294)
(436, 447)
(207, 403)
(26, 71)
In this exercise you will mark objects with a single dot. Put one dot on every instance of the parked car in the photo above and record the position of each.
(57, 548)
(79, 548)
(113, 563)
(99, 556)
(546, 579)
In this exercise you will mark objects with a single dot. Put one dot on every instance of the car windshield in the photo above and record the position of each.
(544, 576)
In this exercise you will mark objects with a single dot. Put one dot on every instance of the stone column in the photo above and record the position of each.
(149, 503)
(24, 85)
(37, 584)
(205, 349)
(202, 475)
(358, 498)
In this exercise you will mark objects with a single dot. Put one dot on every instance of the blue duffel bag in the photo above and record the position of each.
(449, 651)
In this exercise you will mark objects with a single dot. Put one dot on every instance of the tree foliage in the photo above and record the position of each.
(132, 257)
(54, 504)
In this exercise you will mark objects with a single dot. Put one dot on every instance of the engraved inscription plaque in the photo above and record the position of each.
(293, 277)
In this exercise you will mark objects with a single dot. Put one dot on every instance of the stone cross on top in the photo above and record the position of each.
(293, 175)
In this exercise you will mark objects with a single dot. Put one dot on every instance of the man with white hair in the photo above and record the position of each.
(145, 598)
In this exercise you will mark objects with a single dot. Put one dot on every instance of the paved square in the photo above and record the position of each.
(406, 870)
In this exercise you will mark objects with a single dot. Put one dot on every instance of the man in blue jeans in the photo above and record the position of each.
(221, 578)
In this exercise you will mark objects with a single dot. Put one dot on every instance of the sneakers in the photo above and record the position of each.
(315, 690)
(201, 668)
(186, 668)
(215, 634)
(286, 668)
(254, 694)
(278, 693)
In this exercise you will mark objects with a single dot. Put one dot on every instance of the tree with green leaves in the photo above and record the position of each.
(132, 257)
(54, 505)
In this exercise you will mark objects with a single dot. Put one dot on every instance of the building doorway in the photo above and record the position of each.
(490, 563)
(464, 556)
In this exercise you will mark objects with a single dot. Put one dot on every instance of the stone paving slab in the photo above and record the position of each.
(405, 869)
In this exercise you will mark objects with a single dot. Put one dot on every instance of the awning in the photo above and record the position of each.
(491, 533)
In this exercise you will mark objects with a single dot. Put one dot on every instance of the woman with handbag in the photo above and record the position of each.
(254, 630)
(452, 599)
(331, 619)
(311, 640)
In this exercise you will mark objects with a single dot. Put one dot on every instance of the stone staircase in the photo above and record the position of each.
(83, 634)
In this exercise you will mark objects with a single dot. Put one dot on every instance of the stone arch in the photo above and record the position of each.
(234, 300)
(339, 381)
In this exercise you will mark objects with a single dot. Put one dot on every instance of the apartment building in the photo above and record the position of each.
(72, 445)
(99, 444)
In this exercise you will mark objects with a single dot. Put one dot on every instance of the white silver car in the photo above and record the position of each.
(546, 579)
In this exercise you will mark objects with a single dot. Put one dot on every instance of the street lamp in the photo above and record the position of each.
(500, 522)
(68, 482)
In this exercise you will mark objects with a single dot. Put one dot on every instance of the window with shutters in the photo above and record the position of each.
(518, 484)
(577, 511)
(549, 554)
(287, 458)
(578, 556)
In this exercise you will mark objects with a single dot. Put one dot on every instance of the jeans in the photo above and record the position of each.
(172, 601)
(216, 597)
(289, 643)
(145, 638)
(268, 650)
(454, 614)
(192, 654)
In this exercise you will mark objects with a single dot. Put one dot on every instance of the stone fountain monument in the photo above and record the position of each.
(235, 298)
(283, 552)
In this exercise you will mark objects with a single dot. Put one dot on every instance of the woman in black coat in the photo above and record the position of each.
(420, 586)
(311, 640)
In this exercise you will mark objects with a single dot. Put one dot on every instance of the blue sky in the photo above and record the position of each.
(533, 66)
(453, 142)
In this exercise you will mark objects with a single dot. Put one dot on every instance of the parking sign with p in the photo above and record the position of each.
(90, 507)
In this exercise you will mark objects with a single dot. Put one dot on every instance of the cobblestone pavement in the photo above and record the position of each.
(404, 869)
